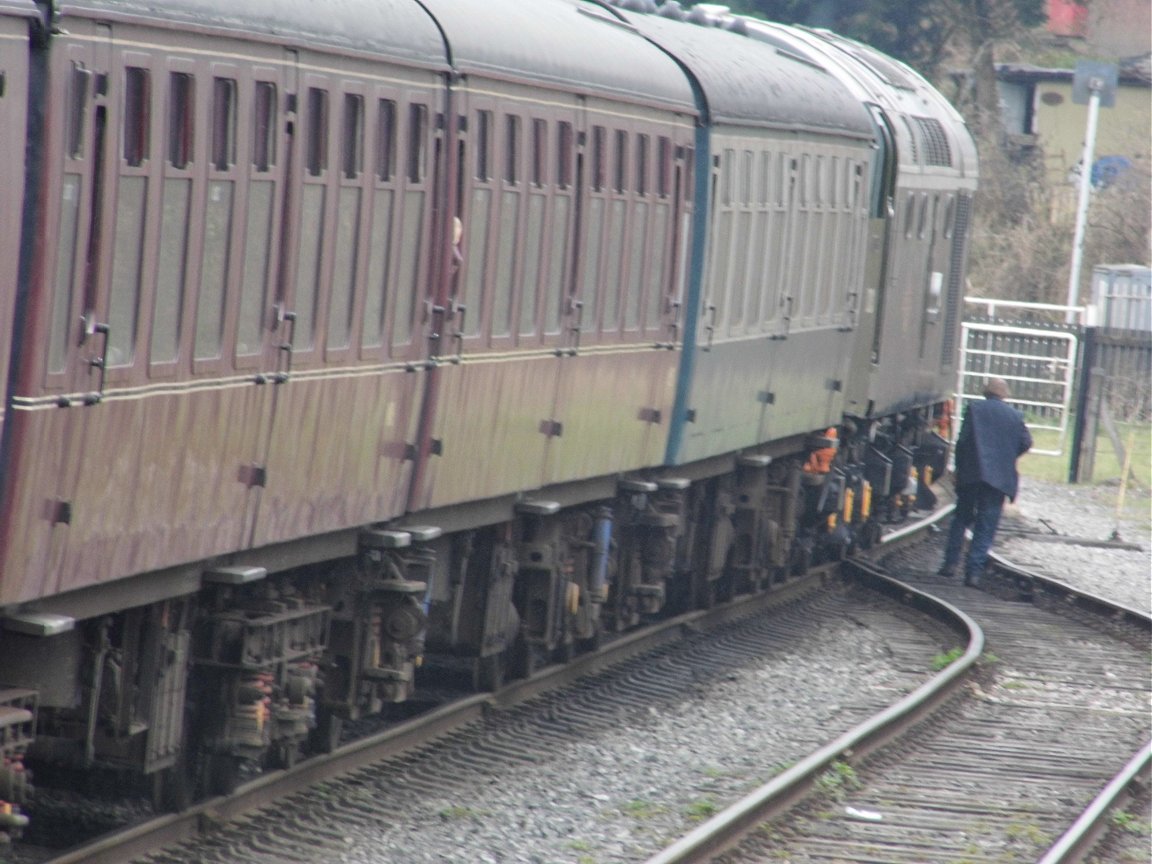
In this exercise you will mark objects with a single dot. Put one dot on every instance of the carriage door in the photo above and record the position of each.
(75, 216)
(254, 179)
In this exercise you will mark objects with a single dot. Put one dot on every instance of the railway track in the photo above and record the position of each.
(316, 825)
(1031, 760)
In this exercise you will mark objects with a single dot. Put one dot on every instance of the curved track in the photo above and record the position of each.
(1048, 736)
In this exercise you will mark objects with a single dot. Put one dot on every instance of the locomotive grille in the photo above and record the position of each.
(936, 149)
(955, 277)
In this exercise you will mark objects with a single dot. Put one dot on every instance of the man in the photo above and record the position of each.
(992, 437)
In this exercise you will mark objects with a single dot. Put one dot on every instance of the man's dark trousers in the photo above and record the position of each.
(978, 505)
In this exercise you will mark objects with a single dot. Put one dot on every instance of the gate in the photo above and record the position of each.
(1030, 347)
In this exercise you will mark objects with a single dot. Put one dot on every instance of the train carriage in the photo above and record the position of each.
(569, 213)
(921, 209)
(346, 334)
(780, 228)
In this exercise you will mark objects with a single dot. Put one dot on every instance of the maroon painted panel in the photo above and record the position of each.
(14, 60)
(31, 504)
(485, 400)
(153, 504)
(622, 400)
(337, 456)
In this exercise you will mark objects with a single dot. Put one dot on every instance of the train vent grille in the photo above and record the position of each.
(935, 142)
(955, 280)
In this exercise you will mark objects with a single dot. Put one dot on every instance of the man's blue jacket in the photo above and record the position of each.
(992, 437)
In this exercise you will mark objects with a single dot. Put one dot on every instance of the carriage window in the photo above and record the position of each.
(565, 147)
(923, 221)
(180, 109)
(316, 154)
(512, 149)
(385, 139)
(417, 135)
(746, 178)
(137, 96)
(539, 152)
(483, 145)
(353, 135)
(909, 214)
(599, 144)
(663, 166)
(224, 124)
(264, 126)
(727, 166)
(621, 166)
(77, 110)
(689, 159)
(765, 185)
(950, 217)
(641, 164)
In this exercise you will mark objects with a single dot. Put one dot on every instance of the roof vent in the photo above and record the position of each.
(737, 24)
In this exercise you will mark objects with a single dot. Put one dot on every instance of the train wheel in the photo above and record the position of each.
(526, 660)
(326, 736)
(172, 788)
(284, 756)
(488, 673)
(565, 650)
(593, 642)
(223, 773)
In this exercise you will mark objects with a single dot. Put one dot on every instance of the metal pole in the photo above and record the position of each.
(1096, 86)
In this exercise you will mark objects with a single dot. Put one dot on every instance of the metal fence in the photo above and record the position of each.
(1067, 373)
(1029, 346)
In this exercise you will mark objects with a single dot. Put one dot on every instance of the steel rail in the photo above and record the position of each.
(788, 788)
(1093, 823)
(725, 829)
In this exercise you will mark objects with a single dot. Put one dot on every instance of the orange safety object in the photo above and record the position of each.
(820, 460)
(944, 421)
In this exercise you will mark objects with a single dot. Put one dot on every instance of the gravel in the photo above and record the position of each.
(622, 795)
(1087, 512)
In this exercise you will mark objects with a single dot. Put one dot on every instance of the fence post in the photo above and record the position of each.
(1084, 446)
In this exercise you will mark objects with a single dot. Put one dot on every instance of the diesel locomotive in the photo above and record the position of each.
(334, 336)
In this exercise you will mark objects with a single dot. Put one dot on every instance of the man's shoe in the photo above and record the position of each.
(946, 572)
(972, 581)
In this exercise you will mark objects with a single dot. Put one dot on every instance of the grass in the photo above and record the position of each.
(943, 661)
(1107, 468)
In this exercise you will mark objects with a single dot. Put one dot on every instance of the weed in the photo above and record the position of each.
(1124, 820)
(943, 661)
(838, 777)
(700, 810)
(1027, 832)
(638, 809)
(456, 812)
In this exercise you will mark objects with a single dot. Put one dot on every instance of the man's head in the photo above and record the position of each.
(996, 388)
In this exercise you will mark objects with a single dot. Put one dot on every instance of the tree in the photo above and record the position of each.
(923, 34)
